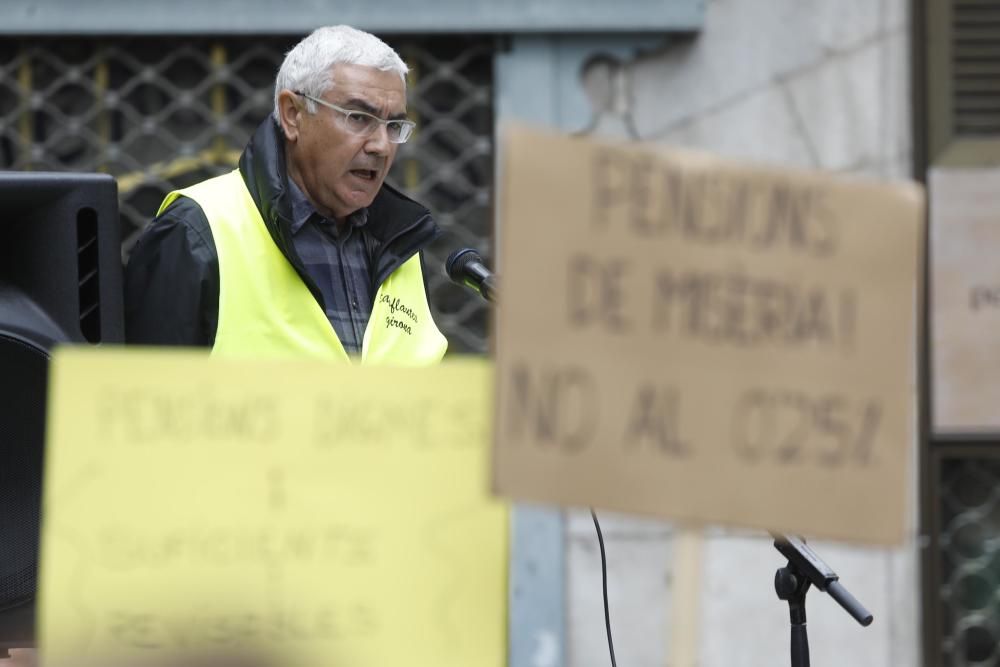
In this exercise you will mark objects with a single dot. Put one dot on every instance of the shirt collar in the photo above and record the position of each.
(303, 210)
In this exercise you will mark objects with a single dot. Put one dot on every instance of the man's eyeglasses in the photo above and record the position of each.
(363, 123)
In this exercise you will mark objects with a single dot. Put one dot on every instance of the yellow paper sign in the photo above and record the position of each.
(706, 340)
(316, 515)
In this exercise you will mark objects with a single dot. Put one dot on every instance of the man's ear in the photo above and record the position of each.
(290, 114)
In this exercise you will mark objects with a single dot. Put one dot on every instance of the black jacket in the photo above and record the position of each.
(172, 278)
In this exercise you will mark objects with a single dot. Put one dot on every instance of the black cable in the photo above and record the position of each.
(604, 581)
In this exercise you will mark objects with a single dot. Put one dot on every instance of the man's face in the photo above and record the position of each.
(341, 172)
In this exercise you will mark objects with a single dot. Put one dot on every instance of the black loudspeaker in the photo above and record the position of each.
(60, 282)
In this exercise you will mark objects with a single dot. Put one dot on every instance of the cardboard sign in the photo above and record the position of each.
(705, 340)
(965, 299)
(314, 514)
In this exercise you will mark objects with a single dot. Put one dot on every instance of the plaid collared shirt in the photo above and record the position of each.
(337, 260)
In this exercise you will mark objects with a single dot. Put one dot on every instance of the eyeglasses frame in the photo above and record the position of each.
(382, 121)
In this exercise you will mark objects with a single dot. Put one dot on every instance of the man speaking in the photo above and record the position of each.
(303, 250)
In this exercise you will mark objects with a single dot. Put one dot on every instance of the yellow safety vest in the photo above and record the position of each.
(266, 310)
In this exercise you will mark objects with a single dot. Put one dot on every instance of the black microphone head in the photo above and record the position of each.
(455, 265)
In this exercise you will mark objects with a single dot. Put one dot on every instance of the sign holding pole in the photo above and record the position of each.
(705, 340)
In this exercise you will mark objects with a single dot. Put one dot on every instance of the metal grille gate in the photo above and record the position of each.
(965, 521)
(160, 114)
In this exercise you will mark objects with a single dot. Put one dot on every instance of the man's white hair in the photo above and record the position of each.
(307, 67)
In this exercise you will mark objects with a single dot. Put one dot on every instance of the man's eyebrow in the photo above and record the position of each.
(362, 105)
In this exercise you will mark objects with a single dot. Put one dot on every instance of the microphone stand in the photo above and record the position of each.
(792, 582)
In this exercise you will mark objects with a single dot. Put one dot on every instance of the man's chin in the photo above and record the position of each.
(356, 201)
(364, 195)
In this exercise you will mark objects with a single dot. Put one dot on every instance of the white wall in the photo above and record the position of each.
(811, 83)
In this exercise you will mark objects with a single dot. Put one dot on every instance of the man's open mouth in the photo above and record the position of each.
(366, 174)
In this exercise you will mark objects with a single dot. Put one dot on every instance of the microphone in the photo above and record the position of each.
(465, 267)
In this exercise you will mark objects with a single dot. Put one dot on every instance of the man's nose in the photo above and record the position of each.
(378, 141)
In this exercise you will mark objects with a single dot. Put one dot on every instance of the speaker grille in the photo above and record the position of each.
(22, 424)
(88, 274)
